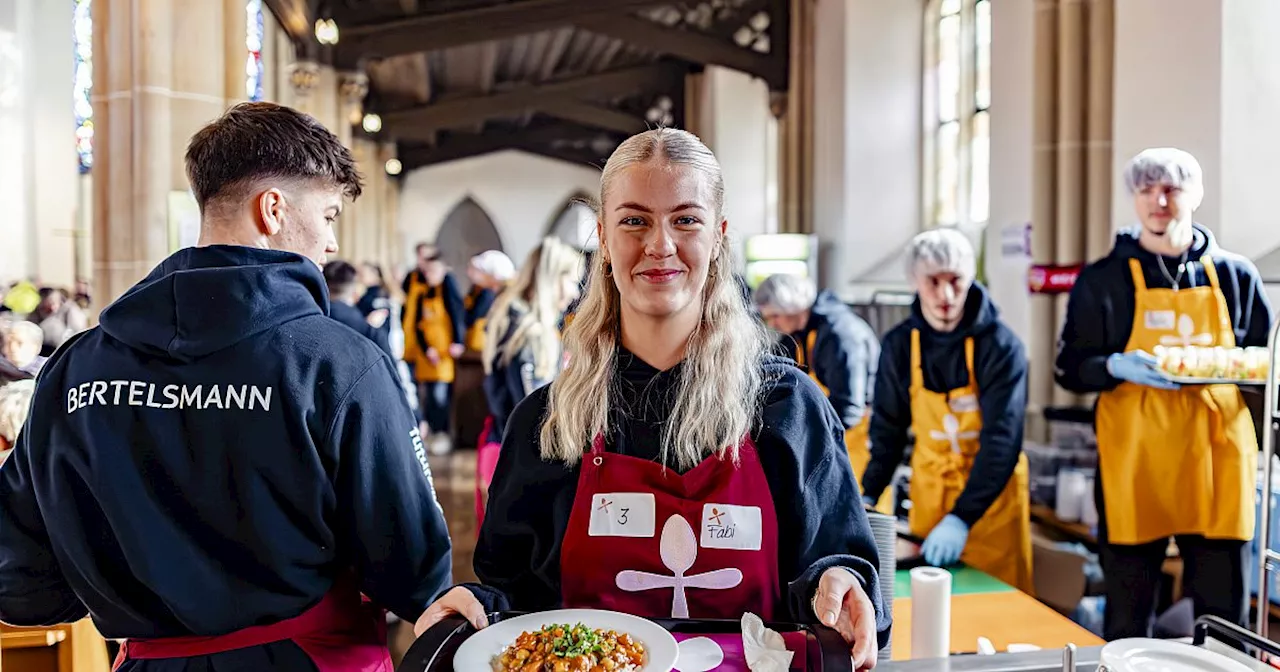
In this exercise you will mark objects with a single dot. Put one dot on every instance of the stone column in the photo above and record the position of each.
(235, 50)
(388, 242)
(162, 71)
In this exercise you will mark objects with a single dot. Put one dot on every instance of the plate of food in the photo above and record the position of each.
(1199, 365)
(572, 640)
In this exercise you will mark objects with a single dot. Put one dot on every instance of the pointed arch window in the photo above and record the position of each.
(82, 36)
(957, 95)
(253, 42)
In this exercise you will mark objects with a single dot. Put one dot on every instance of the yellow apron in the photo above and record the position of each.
(947, 427)
(433, 321)
(1177, 461)
(475, 333)
(856, 438)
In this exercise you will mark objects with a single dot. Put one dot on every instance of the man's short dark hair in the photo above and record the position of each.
(253, 141)
(340, 276)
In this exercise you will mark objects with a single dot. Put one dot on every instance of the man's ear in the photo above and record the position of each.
(271, 206)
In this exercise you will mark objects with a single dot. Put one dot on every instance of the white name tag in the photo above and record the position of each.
(622, 514)
(1160, 319)
(965, 403)
(731, 527)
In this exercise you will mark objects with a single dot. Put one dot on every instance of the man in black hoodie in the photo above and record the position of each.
(219, 471)
(345, 291)
(838, 348)
(957, 376)
(1172, 462)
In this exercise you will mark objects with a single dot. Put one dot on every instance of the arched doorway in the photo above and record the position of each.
(576, 224)
(467, 231)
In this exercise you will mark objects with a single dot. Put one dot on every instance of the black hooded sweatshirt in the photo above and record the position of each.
(1100, 310)
(211, 458)
(844, 358)
(1000, 365)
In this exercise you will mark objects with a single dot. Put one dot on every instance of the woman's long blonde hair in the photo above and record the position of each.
(720, 387)
(537, 293)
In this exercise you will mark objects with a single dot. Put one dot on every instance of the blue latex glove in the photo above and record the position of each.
(1138, 367)
(945, 543)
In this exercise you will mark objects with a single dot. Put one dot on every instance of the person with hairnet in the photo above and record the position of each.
(1172, 461)
(838, 348)
(955, 375)
(489, 273)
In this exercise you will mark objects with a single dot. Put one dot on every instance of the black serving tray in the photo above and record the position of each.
(434, 650)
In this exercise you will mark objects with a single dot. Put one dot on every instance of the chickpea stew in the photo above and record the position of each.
(577, 648)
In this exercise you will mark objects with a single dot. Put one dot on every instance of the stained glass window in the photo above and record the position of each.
(253, 42)
(83, 35)
(958, 96)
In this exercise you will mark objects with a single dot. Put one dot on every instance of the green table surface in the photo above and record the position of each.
(964, 581)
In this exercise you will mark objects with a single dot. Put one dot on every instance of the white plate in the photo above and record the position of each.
(477, 653)
(1156, 655)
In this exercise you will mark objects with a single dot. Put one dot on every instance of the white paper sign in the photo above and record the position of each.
(1160, 319)
(622, 514)
(731, 527)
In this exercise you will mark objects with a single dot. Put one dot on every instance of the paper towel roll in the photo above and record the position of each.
(930, 613)
(1071, 495)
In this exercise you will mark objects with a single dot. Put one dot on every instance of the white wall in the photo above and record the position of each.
(735, 125)
(1168, 68)
(868, 132)
(1012, 136)
(522, 193)
(39, 185)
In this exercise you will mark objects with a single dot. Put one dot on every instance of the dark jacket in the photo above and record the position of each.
(844, 358)
(1100, 310)
(211, 457)
(821, 522)
(353, 318)
(1000, 364)
(375, 298)
(509, 383)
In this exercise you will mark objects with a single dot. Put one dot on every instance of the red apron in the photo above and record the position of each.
(343, 633)
(486, 463)
(651, 542)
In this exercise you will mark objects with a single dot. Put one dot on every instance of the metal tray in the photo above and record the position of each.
(1188, 380)
(434, 650)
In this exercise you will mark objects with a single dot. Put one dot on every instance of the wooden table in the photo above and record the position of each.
(982, 606)
(75, 647)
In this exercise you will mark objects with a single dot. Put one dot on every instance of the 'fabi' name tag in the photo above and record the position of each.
(731, 527)
(622, 514)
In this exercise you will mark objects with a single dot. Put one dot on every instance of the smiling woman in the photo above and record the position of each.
(699, 458)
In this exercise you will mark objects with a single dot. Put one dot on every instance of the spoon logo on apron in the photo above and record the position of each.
(1187, 335)
(679, 550)
(951, 433)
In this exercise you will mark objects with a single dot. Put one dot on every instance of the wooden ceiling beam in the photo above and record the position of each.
(537, 140)
(451, 29)
(692, 46)
(465, 110)
(593, 116)
(296, 17)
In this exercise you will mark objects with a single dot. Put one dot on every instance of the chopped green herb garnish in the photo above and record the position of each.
(577, 640)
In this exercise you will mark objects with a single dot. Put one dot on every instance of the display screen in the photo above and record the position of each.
(779, 247)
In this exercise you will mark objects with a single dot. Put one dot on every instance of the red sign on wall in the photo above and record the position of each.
(1047, 279)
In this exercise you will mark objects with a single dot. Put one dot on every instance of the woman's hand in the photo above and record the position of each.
(464, 603)
(842, 604)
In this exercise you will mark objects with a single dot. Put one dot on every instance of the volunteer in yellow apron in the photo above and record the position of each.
(1173, 461)
(956, 376)
(489, 273)
(433, 337)
(838, 348)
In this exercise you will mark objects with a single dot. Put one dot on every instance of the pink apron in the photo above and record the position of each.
(343, 633)
(486, 463)
(655, 543)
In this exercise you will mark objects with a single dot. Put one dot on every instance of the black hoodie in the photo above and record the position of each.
(1000, 364)
(1100, 311)
(212, 457)
(844, 358)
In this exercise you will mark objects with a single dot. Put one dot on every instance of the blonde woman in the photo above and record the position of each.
(522, 344)
(673, 444)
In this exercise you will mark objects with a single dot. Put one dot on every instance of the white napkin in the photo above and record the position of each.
(764, 649)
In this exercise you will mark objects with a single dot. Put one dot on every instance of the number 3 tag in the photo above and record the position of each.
(622, 514)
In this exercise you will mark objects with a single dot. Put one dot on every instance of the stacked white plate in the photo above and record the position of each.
(1157, 655)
